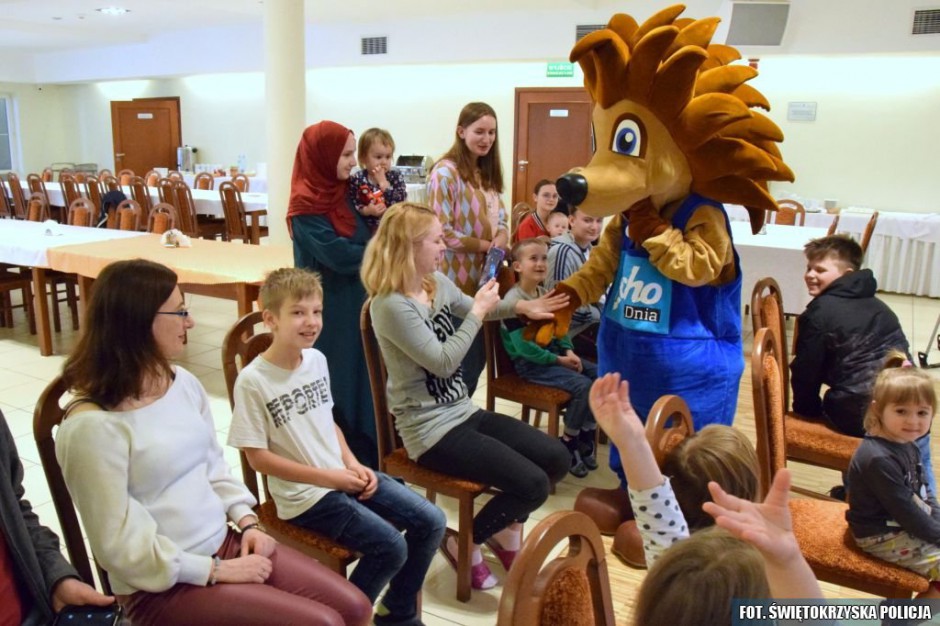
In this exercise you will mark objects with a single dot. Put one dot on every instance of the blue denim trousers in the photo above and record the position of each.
(372, 528)
(923, 444)
(578, 414)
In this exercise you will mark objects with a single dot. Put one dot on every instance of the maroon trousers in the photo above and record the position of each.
(299, 591)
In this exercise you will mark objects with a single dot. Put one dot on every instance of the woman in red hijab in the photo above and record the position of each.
(330, 238)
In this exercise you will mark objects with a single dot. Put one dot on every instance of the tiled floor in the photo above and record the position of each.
(23, 375)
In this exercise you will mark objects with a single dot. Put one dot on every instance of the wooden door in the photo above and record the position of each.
(553, 134)
(146, 134)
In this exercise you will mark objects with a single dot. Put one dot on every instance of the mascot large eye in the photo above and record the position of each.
(628, 138)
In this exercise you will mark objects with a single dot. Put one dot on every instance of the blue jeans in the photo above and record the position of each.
(578, 414)
(923, 444)
(371, 527)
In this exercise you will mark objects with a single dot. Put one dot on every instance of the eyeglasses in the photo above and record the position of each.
(180, 313)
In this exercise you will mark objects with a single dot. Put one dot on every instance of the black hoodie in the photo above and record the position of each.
(844, 335)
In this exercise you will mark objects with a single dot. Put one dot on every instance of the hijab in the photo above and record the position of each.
(314, 188)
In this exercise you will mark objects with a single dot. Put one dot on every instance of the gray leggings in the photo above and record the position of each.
(522, 462)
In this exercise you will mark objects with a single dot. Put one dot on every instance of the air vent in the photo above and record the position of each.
(582, 30)
(375, 45)
(926, 22)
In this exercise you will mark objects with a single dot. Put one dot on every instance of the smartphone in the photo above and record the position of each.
(494, 258)
(90, 615)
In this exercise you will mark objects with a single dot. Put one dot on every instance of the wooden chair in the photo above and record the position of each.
(174, 175)
(47, 175)
(37, 209)
(393, 459)
(869, 230)
(241, 181)
(17, 197)
(240, 347)
(519, 211)
(236, 220)
(572, 589)
(166, 191)
(109, 183)
(161, 218)
(806, 441)
(819, 525)
(6, 206)
(140, 193)
(204, 180)
(70, 190)
(790, 213)
(194, 225)
(833, 226)
(81, 212)
(104, 174)
(93, 193)
(46, 417)
(37, 185)
(125, 176)
(151, 178)
(129, 215)
(10, 281)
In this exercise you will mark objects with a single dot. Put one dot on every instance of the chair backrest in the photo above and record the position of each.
(668, 423)
(166, 191)
(140, 193)
(37, 185)
(81, 212)
(519, 211)
(833, 226)
(185, 207)
(6, 207)
(128, 215)
(204, 180)
(767, 388)
(151, 178)
(174, 175)
(236, 226)
(46, 417)
(571, 589)
(93, 191)
(37, 209)
(125, 176)
(104, 174)
(70, 190)
(241, 345)
(790, 213)
(387, 437)
(17, 197)
(109, 183)
(162, 217)
(767, 312)
(498, 362)
(47, 174)
(241, 181)
(869, 230)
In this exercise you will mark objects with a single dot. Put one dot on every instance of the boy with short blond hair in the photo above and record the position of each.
(283, 422)
(555, 365)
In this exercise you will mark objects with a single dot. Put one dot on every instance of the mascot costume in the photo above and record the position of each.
(676, 136)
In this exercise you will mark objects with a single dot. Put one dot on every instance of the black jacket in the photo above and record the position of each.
(843, 338)
(37, 561)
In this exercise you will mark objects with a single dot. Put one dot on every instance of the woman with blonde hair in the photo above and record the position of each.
(412, 309)
(464, 189)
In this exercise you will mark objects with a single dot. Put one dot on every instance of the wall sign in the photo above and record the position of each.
(801, 111)
(559, 70)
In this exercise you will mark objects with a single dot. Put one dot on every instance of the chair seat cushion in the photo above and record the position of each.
(287, 532)
(827, 544)
(513, 386)
(398, 464)
(812, 441)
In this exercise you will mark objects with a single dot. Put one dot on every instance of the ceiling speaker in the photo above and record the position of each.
(757, 23)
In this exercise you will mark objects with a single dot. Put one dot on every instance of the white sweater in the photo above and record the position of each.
(152, 488)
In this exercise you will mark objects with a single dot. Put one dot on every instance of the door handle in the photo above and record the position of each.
(523, 163)
(118, 155)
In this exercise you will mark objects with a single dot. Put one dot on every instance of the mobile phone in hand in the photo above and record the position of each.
(494, 258)
(72, 615)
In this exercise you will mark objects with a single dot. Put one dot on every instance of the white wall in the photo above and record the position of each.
(873, 143)
(47, 132)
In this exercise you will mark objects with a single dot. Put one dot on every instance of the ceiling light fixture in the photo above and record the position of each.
(113, 10)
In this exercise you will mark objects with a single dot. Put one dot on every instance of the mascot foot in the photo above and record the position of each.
(628, 545)
(609, 508)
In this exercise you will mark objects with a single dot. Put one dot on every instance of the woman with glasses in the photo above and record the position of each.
(165, 517)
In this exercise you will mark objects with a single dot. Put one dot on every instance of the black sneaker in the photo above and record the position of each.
(587, 449)
(577, 468)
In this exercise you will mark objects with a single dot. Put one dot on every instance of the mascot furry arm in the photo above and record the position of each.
(672, 119)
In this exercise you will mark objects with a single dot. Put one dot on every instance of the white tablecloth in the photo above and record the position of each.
(904, 251)
(26, 243)
(778, 254)
(255, 183)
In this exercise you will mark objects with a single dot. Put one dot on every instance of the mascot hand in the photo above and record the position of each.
(542, 332)
(645, 221)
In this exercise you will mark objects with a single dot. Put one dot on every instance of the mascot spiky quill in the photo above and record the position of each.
(676, 136)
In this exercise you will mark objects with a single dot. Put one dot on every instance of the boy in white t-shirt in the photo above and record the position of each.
(283, 422)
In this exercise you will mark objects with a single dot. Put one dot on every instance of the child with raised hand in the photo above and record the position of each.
(283, 422)
(892, 514)
(376, 186)
(555, 365)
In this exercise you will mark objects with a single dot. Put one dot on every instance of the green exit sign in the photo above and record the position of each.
(559, 70)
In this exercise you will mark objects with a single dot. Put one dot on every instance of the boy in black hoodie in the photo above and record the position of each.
(844, 335)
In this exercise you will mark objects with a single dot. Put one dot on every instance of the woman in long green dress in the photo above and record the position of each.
(330, 238)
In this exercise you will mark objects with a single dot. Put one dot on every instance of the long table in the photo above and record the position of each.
(778, 254)
(28, 244)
